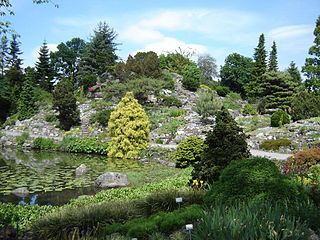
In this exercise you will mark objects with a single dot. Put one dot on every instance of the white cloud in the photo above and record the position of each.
(289, 32)
(137, 34)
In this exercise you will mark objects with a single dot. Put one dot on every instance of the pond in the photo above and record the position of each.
(51, 180)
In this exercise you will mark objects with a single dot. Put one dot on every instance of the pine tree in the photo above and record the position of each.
(273, 59)
(44, 69)
(311, 68)
(226, 142)
(129, 128)
(278, 90)
(99, 53)
(294, 73)
(26, 104)
(66, 103)
(3, 54)
(253, 88)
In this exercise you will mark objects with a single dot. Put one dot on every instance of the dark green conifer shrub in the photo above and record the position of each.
(222, 91)
(191, 77)
(279, 118)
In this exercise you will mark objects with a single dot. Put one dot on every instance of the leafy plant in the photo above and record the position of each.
(279, 118)
(189, 152)
(275, 144)
(207, 104)
(191, 77)
(101, 117)
(222, 91)
(44, 144)
(83, 145)
(248, 109)
(22, 138)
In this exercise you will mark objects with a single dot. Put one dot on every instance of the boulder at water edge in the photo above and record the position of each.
(81, 170)
(111, 180)
(21, 192)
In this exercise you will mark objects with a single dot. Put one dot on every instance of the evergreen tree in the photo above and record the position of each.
(65, 103)
(3, 54)
(129, 128)
(99, 53)
(311, 68)
(44, 69)
(5, 98)
(294, 73)
(278, 90)
(273, 59)
(253, 88)
(26, 104)
(225, 143)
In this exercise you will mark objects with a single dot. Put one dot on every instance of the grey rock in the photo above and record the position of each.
(81, 170)
(21, 192)
(111, 180)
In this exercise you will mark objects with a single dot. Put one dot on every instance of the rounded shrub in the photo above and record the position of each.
(248, 109)
(191, 77)
(189, 152)
(279, 118)
(222, 91)
(254, 177)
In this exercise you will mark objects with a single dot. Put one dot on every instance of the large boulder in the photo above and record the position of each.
(111, 180)
(21, 192)
(81, 170)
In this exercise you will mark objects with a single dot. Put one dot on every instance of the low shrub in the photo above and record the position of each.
(279, 118)
(22, 138)
(50, 117)
(275, 144)
(253, 220)
(222, 91)
(189, 152)
(302, 161)
(177, 112)
(83, 145)
(101, 117)
(232, 101)
(44, 144)
(207, 104)
(170, 101)
(248, 109)
(254, 177)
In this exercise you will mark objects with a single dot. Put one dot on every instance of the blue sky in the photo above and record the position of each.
(203, 26)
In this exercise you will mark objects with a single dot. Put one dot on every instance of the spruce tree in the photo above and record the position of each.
(26, 104)
(273, 59)
(253, 88)
(65, 103)
(311, 69)
(129, 128)
(225, 143)
(44, 69)
(294, 73)
(278, 90)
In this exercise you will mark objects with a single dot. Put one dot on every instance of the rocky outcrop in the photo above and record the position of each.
(21, 192)
(112, 180)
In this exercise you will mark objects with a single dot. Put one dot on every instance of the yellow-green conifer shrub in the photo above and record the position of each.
(129, 128)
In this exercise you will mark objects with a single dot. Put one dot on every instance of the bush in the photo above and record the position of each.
(302, 161)
(191, 77)
(101, 117)
(232, 101)
(129, 128)
(305, 105)
(174, 62)
(44, 144)
(22, 138)
(50, 118)
(207, 104)
(275, 144)
(279, 118)
(171, 101)
(83, 145)
(254, 177)
(189, 152)
(248, 109)
(253, 220)
(222, 91)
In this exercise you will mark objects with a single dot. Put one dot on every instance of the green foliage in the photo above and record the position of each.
(253, 220)
(249, 109)
(66, 104)
(305, 105)
(170, 101)
(84, 145)
(50, 117)
(101, 117)
(21, 217)
(226, 142)
(232, 101)
(236, 72)
(175, 62)
(22, 138)
(254, 177)
(189, 152)
(160, 222)
(222, 91)
(302, 161)
(279, 118)
(294, 73)
(43, 97)
(191, 77)
(207, 104)
(273, 59)
(311, 69)
(44, 144)
(177, 113)
(171, 127)
(129, 128)
(275, 144)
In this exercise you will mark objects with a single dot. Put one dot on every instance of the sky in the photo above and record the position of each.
(213, 27)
